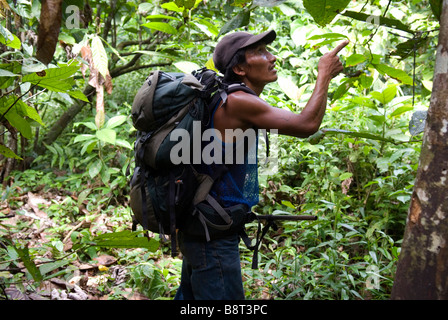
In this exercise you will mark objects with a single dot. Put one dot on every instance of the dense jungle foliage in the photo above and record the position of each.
(67, 138)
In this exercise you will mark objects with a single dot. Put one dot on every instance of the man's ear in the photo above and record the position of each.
(239, 70)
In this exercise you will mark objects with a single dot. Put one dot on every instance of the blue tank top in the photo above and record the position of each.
(239, 184)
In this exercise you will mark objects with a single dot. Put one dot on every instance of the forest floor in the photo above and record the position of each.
(67, 275)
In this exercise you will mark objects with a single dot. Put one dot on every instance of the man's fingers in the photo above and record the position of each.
(340, 47)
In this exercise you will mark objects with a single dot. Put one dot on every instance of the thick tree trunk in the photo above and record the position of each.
(423, 264)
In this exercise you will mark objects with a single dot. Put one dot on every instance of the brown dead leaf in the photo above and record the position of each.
(105, 260)
(34, 201)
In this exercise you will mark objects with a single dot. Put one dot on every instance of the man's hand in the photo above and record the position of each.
(329, 64)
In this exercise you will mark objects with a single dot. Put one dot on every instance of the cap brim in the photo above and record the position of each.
(266, 37)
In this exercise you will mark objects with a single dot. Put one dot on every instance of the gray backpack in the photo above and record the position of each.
(167, 196)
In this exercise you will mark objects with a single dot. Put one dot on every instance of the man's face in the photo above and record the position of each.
(260, 65)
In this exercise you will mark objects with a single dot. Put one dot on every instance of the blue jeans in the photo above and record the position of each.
(210, 270)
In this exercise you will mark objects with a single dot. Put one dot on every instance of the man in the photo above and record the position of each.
(211, 270)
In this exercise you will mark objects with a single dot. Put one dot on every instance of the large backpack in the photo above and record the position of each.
(167, 196)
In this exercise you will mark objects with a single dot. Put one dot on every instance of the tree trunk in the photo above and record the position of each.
(423, 263)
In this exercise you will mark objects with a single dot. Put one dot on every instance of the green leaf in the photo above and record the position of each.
(9, 39)
(18, 122)
(89, 125)
(345, 176)
(6, 73)
(288, 204)
(95, 168)
(290, 88)
(24, 255)
(240, 20)
(323, 11)
(161, 26)
(77, 94)
(84, 137)
(115, 121)
(161, 17)
(382, 21)
(396, 74)
(106, 135)
(54, 79)
(30, 112)
(8, 152)
(401, 110)
(354, 59)
(171, 6)
(329, 38)
(123, 143)
(342, 89)
(125, 239)
(186, 66)
(51, 266)
(386, 95)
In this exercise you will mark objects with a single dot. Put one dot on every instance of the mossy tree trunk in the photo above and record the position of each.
(422, 271)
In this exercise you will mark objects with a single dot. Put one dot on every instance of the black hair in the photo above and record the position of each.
(238, 58)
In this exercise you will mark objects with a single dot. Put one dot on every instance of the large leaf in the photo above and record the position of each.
(99, 56)
(5, 151)
(396, 74)
(19, 122)
(386, 95)
(125, 239)
(106, 135)
(290, 88)
(54, 79)
(240, 20)
(186, 66)
(115, 121)
(24, 255)
(9, 39)
(324, 11)
(381, 21)
(161, 26)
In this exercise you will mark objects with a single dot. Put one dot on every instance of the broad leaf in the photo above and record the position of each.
(381, 21)
(99, 56)
(323, 11)
(9, 39)
(8, 152)
(186, 66)
(290, 88)
(115, 121)
(54, 79)
(240, 20)
(354, 59)
(125, 239)
(161, 26)
(386, 95)
(95, 168)
(396, 74)
(106, 135)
